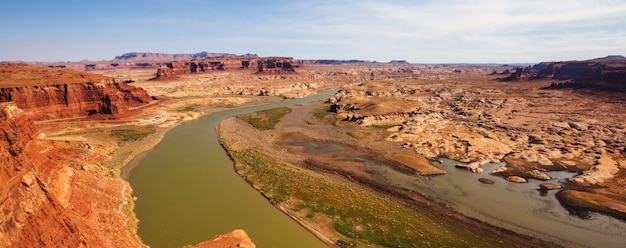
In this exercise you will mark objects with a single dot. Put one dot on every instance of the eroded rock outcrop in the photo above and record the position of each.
(269, 65)
(48, 197)
(60, 93)
(608, 73)
(533, 130)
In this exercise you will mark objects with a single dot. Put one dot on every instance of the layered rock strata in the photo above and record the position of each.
(48, 202)
(271, 65)
(61, 93)
(607, 73)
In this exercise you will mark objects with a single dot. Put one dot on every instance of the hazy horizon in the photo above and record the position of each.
(449, 31)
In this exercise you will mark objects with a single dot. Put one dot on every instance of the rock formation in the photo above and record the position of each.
(27, 204)
(271, 65)
(236, 238)
(530, 127)
(608, 73)
(525, 128)
(60, 93)
(46, 202)
(516, 76)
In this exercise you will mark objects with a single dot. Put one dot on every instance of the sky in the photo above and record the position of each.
(429, 31)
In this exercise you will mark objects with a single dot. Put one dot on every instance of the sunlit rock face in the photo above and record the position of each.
(46, 93)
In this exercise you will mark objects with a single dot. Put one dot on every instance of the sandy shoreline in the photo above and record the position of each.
(135, 160)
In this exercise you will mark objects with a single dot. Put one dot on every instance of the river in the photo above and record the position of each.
(187, 191)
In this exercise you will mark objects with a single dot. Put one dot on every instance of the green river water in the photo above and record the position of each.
(187, 191)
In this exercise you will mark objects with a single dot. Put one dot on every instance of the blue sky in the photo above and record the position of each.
(431, 31)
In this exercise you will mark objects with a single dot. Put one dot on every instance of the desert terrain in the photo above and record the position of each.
(408, 117)
(70, 138)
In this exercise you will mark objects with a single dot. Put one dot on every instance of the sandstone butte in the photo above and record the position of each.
(228, 62)
(49, 198)
(605, 73)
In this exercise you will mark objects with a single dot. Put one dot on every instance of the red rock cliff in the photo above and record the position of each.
(59, 93)
(49, 197)
(30, 216)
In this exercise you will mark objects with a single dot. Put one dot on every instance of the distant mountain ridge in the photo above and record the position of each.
(610, 57)
(164, 57)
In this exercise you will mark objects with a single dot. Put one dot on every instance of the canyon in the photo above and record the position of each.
(60, 93)
(57, 193)
(68, 134)
(51, 199)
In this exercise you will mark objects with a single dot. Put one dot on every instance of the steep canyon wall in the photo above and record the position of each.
(31, 215)
(60, 93)
(52, 193)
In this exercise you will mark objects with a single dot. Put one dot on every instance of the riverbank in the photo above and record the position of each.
(345, 205)
(174, 114)
(100, 156)
(190, 164)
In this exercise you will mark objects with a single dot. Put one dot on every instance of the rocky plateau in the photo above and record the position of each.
(528, 124)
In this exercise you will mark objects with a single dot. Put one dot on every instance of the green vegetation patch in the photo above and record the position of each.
(188, 108)
(130, 133)
(359, 215)
(324, 115)
(384, 127)
(266, 119)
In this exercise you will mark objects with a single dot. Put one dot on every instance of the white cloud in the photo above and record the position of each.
(418, 31)
(477, 28)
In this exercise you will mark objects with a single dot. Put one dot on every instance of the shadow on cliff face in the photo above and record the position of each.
(606, 86)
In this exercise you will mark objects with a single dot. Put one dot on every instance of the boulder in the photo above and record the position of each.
(486, 181)
(516, 179)
(499, 170)
(549, 186)
(536, 174)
